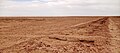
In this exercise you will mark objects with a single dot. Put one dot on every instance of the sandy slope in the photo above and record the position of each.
(60, 35)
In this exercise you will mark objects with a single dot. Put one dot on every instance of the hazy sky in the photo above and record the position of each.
(59, 7)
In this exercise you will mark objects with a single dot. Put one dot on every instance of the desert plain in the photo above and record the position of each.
(65, 34)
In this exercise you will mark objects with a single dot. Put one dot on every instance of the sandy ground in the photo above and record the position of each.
(60, 35)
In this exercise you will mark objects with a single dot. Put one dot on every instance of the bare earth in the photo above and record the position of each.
(60, 34)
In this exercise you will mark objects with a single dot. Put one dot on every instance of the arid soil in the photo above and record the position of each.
(60, 34)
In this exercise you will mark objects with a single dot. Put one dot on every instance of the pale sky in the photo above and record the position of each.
(59, 7)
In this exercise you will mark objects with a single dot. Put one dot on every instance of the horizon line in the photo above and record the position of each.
(59, 16)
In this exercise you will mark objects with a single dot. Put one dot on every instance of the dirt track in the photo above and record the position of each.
(60, 35)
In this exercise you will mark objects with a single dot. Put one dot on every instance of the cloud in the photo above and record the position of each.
(59, 7)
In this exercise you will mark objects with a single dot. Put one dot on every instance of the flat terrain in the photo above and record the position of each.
(92, 34)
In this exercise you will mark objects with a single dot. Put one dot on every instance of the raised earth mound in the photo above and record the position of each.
(97, 36)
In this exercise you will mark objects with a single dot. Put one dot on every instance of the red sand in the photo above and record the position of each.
(60, 35)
